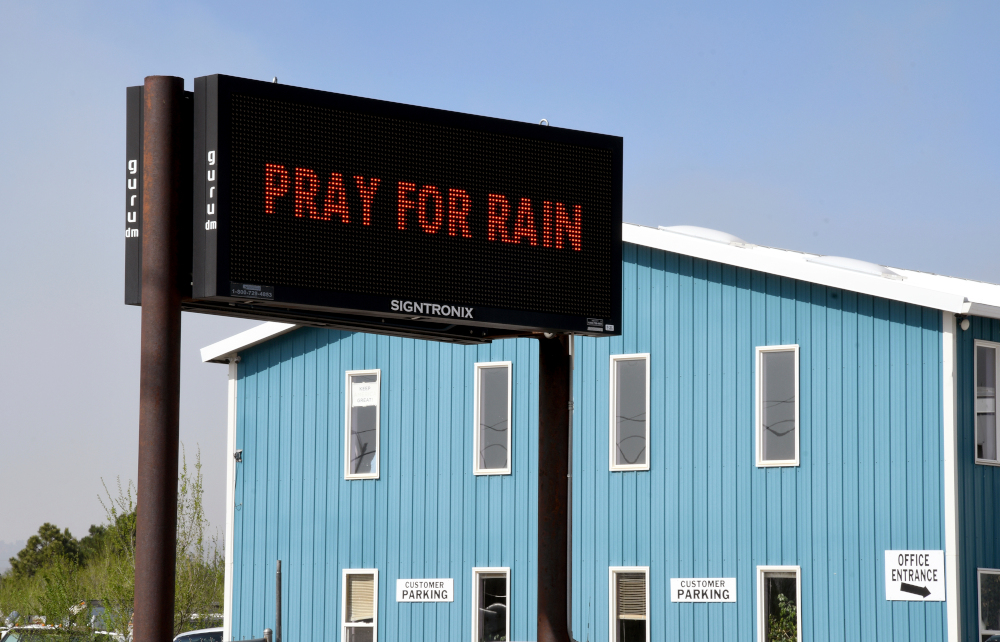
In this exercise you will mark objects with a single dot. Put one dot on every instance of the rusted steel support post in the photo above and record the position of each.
(553, 497)
(277, 604)
(160, 367)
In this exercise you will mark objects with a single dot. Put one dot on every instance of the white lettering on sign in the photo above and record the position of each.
(435, 590)
(702, 589)
(914, 576)
(432, 309)
(364, 394)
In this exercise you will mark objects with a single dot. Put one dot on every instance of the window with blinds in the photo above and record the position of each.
(630, 606)
(986, 402)
(360, 605)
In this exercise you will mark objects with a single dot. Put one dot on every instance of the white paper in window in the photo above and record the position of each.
(364, 394)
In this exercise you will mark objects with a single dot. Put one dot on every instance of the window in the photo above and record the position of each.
(778, 597)
(491, 604)
(492, 418)
(629, 412)
(629, 591)
(777, 406)
(362, 428)
(989, 603)
(986, 402)
(360, 606)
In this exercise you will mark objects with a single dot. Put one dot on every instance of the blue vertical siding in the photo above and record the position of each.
(426, 516)
(978, 485)
(870, 451)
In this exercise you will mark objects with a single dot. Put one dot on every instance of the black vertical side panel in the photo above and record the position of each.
(198, 191)
(133, 195)
(205, 213)
(216, 190)
(184, 237)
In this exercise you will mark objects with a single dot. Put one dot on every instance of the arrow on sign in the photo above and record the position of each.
(916, 590)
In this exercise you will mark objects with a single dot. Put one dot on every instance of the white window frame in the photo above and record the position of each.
(758, 414)
(762, 608)
(975, 415)
(979, 599)
(613, 411)
(376, 467)
(343, 602)
(613, 598)
(488, 570)
(510, 419)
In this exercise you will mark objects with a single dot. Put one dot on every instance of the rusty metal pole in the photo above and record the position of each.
(554, 384)
(277, 604)
(160, 368)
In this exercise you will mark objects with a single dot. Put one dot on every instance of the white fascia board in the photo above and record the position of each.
(789, 264)
(983, 310)
(227, 348)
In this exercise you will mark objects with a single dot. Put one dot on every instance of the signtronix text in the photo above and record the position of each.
(431, 309)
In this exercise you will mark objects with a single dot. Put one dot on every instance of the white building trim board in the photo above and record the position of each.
(227, 601)
(949, 409)
(221, 351)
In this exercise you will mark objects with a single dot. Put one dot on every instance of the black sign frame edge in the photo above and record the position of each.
(429, 115)
(219, 89)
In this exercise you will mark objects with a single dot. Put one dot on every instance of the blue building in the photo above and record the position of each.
(776, 442)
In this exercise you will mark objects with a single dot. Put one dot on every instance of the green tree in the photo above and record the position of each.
(58, 577)
(92, 544)
(48, 546)
(783, 625)
(200, 563)
(118, 561)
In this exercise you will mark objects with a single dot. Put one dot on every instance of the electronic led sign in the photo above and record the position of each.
(317, 207)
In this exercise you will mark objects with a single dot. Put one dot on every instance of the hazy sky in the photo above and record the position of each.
(867, 130)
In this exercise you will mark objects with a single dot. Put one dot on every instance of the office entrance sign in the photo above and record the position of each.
(914, 576)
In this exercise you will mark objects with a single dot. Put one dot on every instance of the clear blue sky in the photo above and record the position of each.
(869, 130)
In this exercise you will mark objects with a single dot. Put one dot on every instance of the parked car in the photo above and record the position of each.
(213, 634)
(43, 633)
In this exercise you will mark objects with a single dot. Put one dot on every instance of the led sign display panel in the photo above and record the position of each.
(322, 203)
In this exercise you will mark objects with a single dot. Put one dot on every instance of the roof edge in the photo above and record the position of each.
(223, 351)
(799, 270)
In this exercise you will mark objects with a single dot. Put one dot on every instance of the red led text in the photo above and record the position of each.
(426, 208)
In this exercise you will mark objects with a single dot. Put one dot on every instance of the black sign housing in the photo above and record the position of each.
(134, 162)
(321, 208)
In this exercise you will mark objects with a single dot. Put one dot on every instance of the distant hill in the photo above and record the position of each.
(7, 551)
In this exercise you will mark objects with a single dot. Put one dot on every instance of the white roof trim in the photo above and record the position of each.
(960, 296)
(226, 349)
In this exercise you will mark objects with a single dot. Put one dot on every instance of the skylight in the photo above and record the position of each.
(708, 234)
(856, 265)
